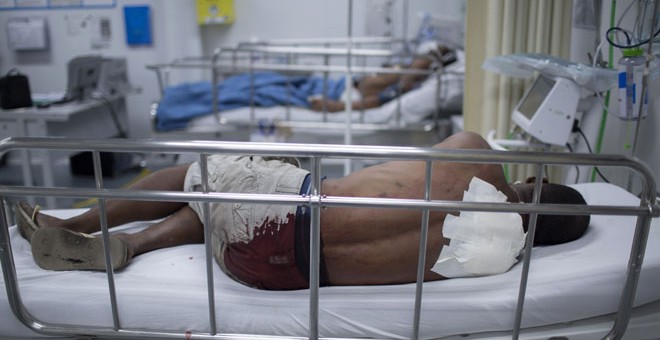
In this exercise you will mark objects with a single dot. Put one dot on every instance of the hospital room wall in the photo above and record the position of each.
(176, 34)
(618, 135)
(71, 32)
(257, 19)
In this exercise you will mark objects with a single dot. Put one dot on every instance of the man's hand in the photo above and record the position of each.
(317, 104)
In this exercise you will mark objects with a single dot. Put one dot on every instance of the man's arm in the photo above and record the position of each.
(316, 104)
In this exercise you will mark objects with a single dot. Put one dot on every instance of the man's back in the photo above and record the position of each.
(380, 246)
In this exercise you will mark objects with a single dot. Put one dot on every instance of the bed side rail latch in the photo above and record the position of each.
(654, 208)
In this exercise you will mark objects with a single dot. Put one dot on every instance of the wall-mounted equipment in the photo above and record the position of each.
(94, 76)
(553, 104)
(27, 34)
(215, 11)
(137, 20)
(548, 108)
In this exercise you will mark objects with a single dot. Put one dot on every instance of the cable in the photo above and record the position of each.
(623, 14)
(577, 168)
(115, 119)
(586, 141)
(628, 39)
(637, 31)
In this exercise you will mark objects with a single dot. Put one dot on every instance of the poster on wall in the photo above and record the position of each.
(54, 4)
(137, 20)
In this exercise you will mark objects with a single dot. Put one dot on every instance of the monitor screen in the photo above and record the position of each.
(83, 76)
(547, 110)
(535, 96)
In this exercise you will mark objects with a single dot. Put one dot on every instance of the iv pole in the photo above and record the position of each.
(645, 81)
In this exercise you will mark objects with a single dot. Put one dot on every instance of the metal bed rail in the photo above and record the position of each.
(250, 59)
(326, 68)
(380, 42)
(647, 209)
(329, 41)
(401, 45)
(247, 53)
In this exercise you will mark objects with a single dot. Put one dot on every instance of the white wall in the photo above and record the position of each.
(176, 34)
(257, 19)
(619, 135)
(71, 34)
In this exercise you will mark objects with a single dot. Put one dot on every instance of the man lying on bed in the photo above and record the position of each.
(266, 246)
(375, 90)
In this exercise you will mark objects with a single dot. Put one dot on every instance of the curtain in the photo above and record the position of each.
(501, 27)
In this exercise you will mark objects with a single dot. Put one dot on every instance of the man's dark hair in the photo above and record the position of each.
(556, 229)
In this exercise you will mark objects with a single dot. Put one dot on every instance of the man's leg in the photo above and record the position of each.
(119, 212)
(182, 227)
(63, 249)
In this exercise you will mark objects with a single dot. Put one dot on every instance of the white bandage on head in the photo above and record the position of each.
(481, 243)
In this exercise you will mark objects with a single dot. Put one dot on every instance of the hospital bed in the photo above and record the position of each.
(421, 114)
(594, 287)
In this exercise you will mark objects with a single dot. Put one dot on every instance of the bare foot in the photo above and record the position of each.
(130, 247)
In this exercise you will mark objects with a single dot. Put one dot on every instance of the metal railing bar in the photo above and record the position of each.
(324, 150)
(350, 52)
(334, 151)
(111, 333)
(329, 40)
(421, 257)
(334, 201)
(206, 211)
(329, 51)
(529, 244)
(632, 278)
(338, 201)
(301, 68)
(11, 281)
(315, 245)
(224, 125)
(215, 79)
(105, 236)
(330, 68)
(325, 125)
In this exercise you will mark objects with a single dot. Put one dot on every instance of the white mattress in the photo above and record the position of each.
(167, 289)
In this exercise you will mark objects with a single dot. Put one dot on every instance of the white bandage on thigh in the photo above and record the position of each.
(481, 243)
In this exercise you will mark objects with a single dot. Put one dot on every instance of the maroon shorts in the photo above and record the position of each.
(277, 258)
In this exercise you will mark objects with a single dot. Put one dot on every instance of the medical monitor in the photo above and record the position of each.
(547, 110)
(95, 76)
(113, 78)
(83, 77)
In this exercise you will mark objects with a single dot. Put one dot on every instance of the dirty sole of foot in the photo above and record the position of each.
(62, 249)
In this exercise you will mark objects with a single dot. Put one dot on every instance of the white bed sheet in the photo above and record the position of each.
(166, 289)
